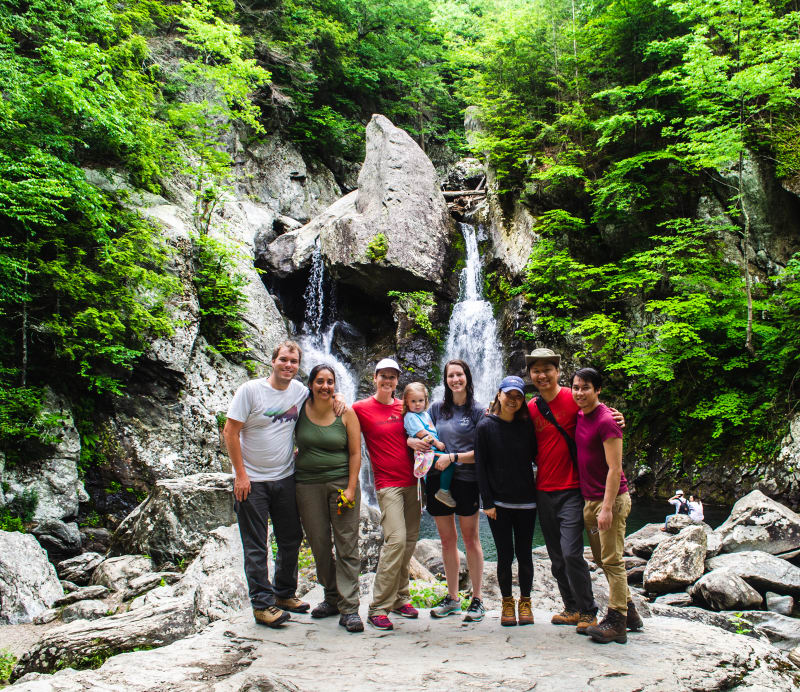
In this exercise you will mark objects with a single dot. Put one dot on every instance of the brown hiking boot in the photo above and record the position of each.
(525, 612)
(611, 629)
(293, 604)
(566, 617)
(585, 620)
(508, 614)
(270, 616)
(633, 620)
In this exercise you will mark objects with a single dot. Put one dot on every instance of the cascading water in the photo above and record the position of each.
(472, 332)
(316, 339)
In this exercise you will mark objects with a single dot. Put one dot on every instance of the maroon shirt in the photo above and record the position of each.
(592, 430)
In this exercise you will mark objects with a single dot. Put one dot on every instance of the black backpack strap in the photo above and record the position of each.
(548, 415)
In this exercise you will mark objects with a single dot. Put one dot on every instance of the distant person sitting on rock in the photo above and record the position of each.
(505, 451)
(259, 437)
(695, 509)
(598, 438)
(381, 418)
(456, 416)
(417, 422)
(681, 505)
(326, 470)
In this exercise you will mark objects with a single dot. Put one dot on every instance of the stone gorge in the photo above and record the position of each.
(168, 586)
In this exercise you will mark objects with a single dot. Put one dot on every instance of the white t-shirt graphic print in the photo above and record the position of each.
(268, 416)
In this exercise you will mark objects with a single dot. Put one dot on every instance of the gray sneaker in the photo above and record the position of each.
(447, 606)
(475, 612)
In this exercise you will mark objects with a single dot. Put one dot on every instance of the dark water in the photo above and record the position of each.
(643, 512)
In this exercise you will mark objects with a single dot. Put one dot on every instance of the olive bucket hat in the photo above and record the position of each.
(544, 354)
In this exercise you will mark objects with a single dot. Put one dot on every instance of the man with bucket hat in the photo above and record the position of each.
(381, 419)
(554, 414)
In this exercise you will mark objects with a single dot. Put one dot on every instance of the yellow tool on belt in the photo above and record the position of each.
(343, 503)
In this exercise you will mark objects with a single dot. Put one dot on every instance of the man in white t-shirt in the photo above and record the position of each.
(258, 434)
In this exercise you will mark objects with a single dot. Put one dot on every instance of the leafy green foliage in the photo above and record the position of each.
(7, 663)
(19, 511)
(429, 596)
(418, 305)
(377, 248)
(220, 295)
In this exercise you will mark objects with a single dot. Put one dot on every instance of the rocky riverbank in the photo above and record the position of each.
(719, 608)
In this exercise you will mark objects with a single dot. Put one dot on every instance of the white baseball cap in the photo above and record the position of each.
(386, 364)
(679, 492)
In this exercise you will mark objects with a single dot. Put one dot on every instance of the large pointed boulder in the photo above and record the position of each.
(390, 233)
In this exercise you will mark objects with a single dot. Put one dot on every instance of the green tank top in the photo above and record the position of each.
(322, 454)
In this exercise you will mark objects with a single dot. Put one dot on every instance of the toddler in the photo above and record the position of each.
(418, 424)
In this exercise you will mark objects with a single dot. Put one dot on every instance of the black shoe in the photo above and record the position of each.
(324, 610)
(633, 621)
(351, 622)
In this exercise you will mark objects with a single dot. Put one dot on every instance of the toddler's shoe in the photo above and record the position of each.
(445, 497)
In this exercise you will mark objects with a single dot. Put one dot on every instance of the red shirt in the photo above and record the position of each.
(385, 435)
(593, 429)
(556, 470)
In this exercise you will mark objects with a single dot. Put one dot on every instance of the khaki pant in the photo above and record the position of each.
(607, 548)
(316, 503)
(400, 514)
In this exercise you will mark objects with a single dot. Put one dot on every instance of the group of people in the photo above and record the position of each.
(693, 507)
(558, 456)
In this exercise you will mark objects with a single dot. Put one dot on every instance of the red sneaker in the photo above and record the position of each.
(380, 622)
(406, 611)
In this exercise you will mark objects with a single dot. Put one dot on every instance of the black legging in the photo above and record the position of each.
(513, 534)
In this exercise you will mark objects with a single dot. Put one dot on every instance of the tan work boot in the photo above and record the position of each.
(633, 621)
(611, 629)
(293, 604)
(525, 611)
(566, 617)
(585, 620)
(270, 616)
(508, 614)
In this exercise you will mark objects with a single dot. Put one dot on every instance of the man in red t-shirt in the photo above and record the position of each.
(559, 498)
(381, 419)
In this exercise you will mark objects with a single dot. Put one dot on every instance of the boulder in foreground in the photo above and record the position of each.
(677, 561)
(757, 522)
(28, 581)
(174, 521)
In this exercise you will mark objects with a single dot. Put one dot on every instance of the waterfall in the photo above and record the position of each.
(472, 332)
(316, 340)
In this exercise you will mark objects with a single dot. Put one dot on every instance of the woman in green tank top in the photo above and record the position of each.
(328, 497)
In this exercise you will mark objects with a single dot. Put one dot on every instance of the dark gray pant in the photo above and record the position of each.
(561, 520)
(275, 500)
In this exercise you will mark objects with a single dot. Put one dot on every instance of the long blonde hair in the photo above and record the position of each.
(410, 389)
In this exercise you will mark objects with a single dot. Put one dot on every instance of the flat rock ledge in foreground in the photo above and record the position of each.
(237, 655)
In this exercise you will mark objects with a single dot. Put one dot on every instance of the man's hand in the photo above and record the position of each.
(350, 494)
(418, 445)
(339, 404)
(241, 487)
(443, 461)
(618, 417)
(491, 513)
(604, 519)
